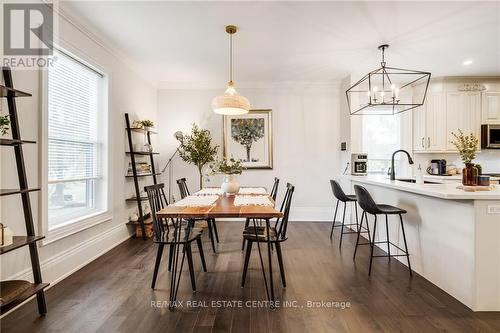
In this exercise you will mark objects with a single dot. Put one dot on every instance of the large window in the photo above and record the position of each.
(76, 142)
(381, 136)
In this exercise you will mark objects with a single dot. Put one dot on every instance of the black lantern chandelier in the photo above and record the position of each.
(387, 90)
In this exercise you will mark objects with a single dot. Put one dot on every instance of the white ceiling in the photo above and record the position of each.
(184, 43)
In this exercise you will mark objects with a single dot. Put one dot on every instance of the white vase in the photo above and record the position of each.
(230, 186)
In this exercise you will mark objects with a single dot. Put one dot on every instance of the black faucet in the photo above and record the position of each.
(410, 160)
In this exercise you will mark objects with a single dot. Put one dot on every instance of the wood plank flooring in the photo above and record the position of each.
(113, 294)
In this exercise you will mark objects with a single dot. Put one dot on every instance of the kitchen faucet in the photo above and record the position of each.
(410, 160)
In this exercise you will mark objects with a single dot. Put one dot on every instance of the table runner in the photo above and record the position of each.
(197, 200)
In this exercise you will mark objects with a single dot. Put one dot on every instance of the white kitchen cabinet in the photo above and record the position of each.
(429, 124)
(463, 111)
(490, 108)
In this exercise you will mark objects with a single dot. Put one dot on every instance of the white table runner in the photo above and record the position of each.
(259, 200)
(252, 190)
(210, 191)
(197, 201)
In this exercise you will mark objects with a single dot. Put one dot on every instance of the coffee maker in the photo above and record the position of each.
(437, 168)
(359, 164)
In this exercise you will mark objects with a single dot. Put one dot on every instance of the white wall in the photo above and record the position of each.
(128, 92)
(306, 128)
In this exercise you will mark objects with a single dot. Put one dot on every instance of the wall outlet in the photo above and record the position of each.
(494, 209)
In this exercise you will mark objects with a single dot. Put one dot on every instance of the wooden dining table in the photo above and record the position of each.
(223, 207)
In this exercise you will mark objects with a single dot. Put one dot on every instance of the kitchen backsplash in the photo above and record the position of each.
(488, 158)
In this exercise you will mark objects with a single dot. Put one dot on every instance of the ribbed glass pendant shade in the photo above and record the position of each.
(231, 103)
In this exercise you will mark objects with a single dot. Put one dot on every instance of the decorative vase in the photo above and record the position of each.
(146, 146)
(469, 175)
(230, 186)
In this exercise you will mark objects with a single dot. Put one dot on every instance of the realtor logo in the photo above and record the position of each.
(28, 29)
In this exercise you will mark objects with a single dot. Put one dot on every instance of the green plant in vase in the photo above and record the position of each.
(4, 125)
(230, 168)
(467, 146)
(147, 124)
(197, 148)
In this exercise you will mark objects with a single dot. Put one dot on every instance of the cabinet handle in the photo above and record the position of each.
(428, 142)
(423, 145)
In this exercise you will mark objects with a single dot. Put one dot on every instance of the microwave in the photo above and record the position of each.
(490, 136)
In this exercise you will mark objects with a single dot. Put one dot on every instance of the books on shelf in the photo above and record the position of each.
(142, 168)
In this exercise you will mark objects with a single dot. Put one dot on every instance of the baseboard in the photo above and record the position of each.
(54, 269)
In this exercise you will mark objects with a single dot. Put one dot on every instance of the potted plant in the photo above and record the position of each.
(197, 148)
(4, 125)
(229, 168)
(147, 124)
(467, 147)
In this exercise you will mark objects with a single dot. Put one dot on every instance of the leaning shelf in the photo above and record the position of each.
(18, 291)
(143, 229)
(20, 241)
(11, 191)
(11, 142)
(15, 292)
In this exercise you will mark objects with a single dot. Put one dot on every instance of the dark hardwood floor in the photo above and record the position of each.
(113, 294)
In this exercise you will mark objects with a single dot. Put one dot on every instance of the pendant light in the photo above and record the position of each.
(230, 103)
(388, 90)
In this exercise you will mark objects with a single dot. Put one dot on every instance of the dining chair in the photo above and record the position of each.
(272, 194)
(275, 235)
(165, 234)
(212, 226)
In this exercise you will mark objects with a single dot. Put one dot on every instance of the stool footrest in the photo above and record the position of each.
(339, 224)
(392, 255)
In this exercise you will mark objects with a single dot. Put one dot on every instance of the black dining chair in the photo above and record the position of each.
(339, 194)
(212, 226)
(273, 194)
(275, 235)
(369, 206)
(166, 234)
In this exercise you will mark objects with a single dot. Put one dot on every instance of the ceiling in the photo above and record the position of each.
(185, 44)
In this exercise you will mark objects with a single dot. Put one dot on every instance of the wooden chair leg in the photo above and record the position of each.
(215, 230)
(189, 255)
(247, 223)
(157, 264)
(202, 255)
(245, 266)
(170, 257)
(211, 234)
(280, 262)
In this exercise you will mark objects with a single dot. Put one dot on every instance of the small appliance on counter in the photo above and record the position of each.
(359, 164)
(490, 136)
(437, 168)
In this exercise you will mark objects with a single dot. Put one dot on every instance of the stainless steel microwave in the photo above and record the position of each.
(490, 136)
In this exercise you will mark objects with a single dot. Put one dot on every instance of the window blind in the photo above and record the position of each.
(73, 97)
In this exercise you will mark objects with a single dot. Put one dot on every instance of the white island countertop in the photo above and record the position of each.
(443, 191)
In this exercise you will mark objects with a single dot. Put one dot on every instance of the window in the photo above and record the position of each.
(381, 137)
(76, 142)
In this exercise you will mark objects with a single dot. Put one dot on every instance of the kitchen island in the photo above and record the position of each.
(453, 236)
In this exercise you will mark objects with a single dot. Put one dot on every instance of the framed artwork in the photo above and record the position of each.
(249, 138)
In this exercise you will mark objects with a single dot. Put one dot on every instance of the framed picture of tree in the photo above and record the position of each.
(249, 138)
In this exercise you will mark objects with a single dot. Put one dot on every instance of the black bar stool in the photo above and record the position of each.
(345, 198)
(369, 206)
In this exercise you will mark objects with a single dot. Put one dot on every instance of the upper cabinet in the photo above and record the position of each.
(463, 111)
(491, 108)
(429, 120)
(450, 105)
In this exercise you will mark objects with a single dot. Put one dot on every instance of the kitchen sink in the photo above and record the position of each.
(410, 180)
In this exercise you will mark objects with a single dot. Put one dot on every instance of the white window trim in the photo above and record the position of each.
(93, 218)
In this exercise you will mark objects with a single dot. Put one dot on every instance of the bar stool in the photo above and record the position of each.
(345, 198)
(369, 206)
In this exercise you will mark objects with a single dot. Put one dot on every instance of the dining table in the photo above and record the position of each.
(249, 203)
